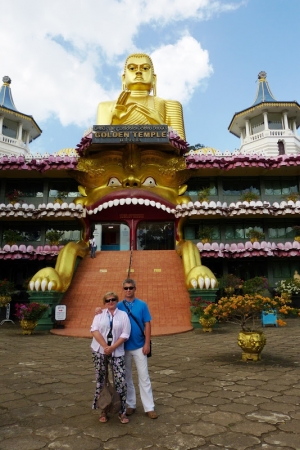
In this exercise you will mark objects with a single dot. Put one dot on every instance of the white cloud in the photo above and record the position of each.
(180, 68)
(58, 53)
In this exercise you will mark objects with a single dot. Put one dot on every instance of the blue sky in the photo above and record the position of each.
(63, 60)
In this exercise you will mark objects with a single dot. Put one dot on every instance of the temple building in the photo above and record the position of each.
(17, 130)
(239, 210)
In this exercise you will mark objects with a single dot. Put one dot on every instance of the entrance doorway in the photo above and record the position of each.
(112, 236)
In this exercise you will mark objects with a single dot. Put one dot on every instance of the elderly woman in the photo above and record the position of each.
(110, 330)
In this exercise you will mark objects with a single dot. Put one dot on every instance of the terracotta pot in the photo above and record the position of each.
(28, 326)
(252, 344)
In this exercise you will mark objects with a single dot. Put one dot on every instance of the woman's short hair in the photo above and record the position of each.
(108, 294)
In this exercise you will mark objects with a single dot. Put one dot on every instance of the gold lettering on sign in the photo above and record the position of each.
(132, 216)
(157, 270)
(103, 270)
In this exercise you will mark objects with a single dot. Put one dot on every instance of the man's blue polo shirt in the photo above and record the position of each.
(141, 312)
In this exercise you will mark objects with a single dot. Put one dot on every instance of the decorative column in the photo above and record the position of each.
(242, 135)
(294, 127)
(247, 128)
(20, 128)
(27, 138)
(266, 123)
(1, 124)
(285, 120)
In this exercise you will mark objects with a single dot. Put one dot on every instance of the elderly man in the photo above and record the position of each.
(135, 105)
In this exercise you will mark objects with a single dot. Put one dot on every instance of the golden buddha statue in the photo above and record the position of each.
(135, 105)
(118, 173)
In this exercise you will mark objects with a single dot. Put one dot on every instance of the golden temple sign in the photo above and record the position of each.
(143, 134)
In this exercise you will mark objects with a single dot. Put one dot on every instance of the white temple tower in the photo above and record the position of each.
(17, 130)
(268, 126)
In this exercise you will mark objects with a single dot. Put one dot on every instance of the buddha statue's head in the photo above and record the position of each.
(139, 73)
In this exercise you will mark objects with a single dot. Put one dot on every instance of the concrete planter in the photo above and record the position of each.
(50, 298)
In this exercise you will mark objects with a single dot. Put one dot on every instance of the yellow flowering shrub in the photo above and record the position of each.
(245, 310)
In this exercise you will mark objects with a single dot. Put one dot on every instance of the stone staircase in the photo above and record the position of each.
(160, 283)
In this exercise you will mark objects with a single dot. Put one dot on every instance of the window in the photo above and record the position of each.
(215, 232)
(281, 231)
(286, 270)
(197, 184)
(155, 236)
(281, 187)
(10, 128)
(257, 124)
(28, 189)
(61, 189)
(247, 269)
(240, 185)
(275, 121)
(239, 230)
(281, 149)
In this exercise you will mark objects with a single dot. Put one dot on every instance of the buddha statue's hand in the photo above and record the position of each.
(46, 279)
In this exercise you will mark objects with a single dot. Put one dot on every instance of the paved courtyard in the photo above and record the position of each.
(206, 397)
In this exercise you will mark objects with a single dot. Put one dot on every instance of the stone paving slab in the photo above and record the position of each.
(206, 397)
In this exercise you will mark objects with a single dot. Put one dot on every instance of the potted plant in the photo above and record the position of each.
(257, 285)
(14, 196)
(229, 283)
(54, 236)
(6, 289)
(12, 236)
(246, 311)
(255, 235)
(205, 234)
(288, 287)
(207, 319)
(195, 308)
(60, 196)
(249, 196)
(29, 315)
(296, 229)
(292, 196)
(203, 194)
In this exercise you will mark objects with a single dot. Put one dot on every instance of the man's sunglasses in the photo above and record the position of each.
(108, 300)
(130, 288)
